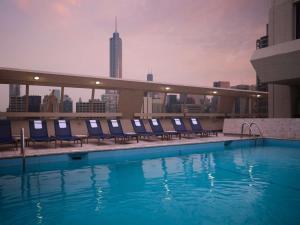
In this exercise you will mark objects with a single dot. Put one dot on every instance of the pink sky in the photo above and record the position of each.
(185, 42)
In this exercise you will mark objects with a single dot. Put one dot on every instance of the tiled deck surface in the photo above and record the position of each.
(42, 149)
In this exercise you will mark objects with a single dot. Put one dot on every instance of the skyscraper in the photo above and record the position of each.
(115, 54)
(149, 77)
(115, 46)
(14, 90)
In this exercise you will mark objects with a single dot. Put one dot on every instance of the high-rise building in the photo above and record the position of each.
(50, 102)
(67, 104)
(115, 46)
(115, 70)
(14, 90)
(111, 102)
(149, 77)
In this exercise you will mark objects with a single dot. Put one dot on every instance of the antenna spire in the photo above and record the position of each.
(116, 24)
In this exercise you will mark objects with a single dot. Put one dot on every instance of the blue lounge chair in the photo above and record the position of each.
(116, 131)
(63, 132)
(140, 129)
(158, 130)
(5, 133)
(95, 130)
(198, 129)
(180, 127)
(39, 132)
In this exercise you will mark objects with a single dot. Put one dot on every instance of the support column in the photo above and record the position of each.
(91, 106)
(26, 106)
(250, 106)
(62, 93)
(164, 102)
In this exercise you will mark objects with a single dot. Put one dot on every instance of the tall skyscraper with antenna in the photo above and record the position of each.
(111, 97)
(116, 54)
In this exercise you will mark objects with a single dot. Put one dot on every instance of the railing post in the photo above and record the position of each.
(22, 142)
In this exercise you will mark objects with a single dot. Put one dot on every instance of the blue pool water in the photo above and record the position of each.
(192, 184)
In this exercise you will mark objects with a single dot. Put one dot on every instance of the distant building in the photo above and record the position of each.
(172, 104)
(34, 103)
(50, 102)
(14, 90)
(18, 104)
(115, 46)
(149, 77)
(67, 104)
(111, 102)
(96, 106)
(222, 84)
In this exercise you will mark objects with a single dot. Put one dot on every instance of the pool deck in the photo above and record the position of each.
(42, 149)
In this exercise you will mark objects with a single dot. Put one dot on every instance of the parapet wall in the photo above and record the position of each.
(270, 127)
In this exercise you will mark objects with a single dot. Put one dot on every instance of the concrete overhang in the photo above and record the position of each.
(18, 76)
(279, 63)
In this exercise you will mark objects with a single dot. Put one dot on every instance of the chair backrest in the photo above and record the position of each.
(115, 127)
(138, 126)
(62, 128)
(5, 130)
(196, 125)
(94, 128)
(178, 124)
(156, 126)
(38, 129)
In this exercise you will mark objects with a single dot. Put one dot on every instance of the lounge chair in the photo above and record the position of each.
(63, 132)
(198, 129)
(5, 133)
(39, 132)
(180, 127)
(158, 130)
(140, 129)
(95, 130)
(116, 131)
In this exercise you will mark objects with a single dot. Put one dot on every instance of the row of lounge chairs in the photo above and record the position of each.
(39, 132)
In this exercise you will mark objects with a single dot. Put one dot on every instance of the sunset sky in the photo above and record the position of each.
(182, 41)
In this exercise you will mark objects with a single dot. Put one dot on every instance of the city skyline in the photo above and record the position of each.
(173, 39)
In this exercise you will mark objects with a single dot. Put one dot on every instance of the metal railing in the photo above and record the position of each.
(251, 133)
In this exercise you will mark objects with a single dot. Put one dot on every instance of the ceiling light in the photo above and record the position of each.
(167, 88)
(258, 96)
(215, 92)
(98, 82)
(36, 77)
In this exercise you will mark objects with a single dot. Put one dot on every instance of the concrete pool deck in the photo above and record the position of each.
(41, 149)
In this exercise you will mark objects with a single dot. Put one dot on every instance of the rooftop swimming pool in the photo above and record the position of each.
(232, 182)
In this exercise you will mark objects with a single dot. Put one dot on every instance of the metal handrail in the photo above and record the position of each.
(242, 128)
(258, 128)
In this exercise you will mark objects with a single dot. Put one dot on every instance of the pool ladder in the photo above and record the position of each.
(251, 133)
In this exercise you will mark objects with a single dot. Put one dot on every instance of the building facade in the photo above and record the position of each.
(14, 90)
(277, 62)
(96, 106)
(18, 104)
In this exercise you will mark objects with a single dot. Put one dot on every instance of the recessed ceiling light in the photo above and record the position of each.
(215, 92)
(36, 77)
(167, 88)
(98, 82)
(258, 96)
